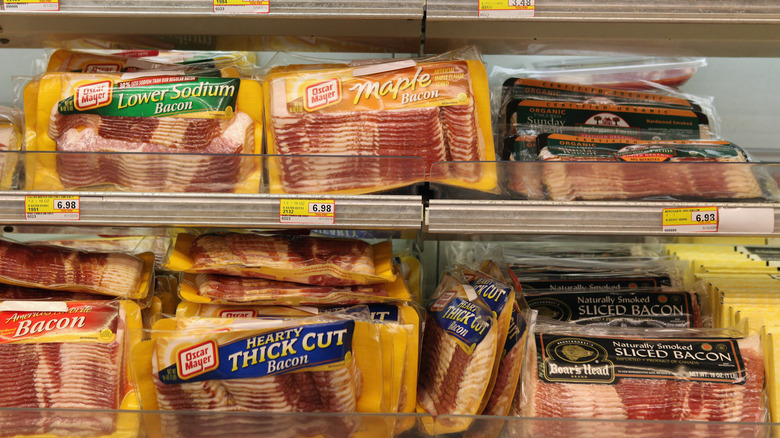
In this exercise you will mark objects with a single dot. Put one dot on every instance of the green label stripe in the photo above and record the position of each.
(142, 97)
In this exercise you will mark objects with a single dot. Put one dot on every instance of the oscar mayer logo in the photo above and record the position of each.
(243, 313)
(102, 68)
(94, 95)
(196, 360)
(322, 94)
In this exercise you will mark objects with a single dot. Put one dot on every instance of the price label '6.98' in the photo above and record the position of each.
(307, 211)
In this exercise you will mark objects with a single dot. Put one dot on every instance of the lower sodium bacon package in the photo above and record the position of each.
(292, 258)
(437, 109)
(326, 363)
(144, 131)
(67, 355)
(642, 374)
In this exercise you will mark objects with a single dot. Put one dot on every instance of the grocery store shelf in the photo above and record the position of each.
(669, 27)
(194, 24)
(580, 217)
(215, 210)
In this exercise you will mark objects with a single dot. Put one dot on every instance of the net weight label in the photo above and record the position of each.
(52, 208)
(242, 6)
(506, 8)
(31, 5)
(690, 220)
(307, 211)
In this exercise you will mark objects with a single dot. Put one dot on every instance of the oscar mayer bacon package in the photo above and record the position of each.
(434, 109)
(144, 131)
(326, 363)
(299, 259)
(68, 355)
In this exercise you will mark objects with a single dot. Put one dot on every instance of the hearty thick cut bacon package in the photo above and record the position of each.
(111, 129)
(433, 109)
(636, 374)
(327, 363)
(66, 355)
(300, 259)
(59, 269)
(459, 361)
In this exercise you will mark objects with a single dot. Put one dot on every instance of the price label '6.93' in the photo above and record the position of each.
(690, 220)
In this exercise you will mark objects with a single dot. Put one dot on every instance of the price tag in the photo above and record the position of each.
(307, 211)
(690, 220)
(507, 8)
(242, 6)
(31, 5)
(52, 208)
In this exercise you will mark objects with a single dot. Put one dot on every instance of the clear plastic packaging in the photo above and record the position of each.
(644, 374)
(53, 268)
(294, 258)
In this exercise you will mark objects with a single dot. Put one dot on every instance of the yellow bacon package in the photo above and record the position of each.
(327, 363)
(434, 110)
(144, 131)
(299, 259)
(74, 356)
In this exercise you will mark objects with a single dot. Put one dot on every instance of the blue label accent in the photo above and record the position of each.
(493, 292)
(517, 328)
(465, 321)
(379, 312)
(276, 352)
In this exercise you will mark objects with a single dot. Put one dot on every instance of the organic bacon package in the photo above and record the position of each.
(67, 355)
(144, 131)
(325, 363)
(54, 268)
(642, 374)
(290, 258)
(437, 109)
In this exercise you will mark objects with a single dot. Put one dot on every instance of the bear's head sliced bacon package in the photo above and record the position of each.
(325, 363)
(69, 355)
(461, 343)
(299, 259)
(144, 131)
(643, 374)
(225, 289)
(437, 109)
(54, 268)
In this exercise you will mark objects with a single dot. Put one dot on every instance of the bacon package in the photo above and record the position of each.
(688, 179)
(327, 363)
(643, 374)
(401, 322)
(459, 360)
(435, 109)
(300, 259)
(60, 269)
(144, 131)
(67, 355)
(225, 289)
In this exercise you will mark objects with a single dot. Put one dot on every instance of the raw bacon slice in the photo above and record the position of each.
(201, 167)
(229, 253)
(54, 268)
(223, 288)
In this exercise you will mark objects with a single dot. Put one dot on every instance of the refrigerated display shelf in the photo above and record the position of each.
(212, 210)
(444, 216)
